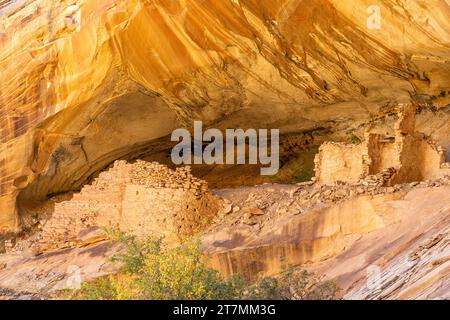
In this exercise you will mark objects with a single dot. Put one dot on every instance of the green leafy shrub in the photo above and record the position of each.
(354, 139)
(152, 271)
(295, 284)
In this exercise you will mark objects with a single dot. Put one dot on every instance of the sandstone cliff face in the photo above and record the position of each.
(375, 242)
(87, 82)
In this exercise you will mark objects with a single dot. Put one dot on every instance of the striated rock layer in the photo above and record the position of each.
(375, 242)
(86, 82)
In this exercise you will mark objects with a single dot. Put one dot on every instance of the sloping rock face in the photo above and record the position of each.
(375, 242)
(86, 82)
(25, 276)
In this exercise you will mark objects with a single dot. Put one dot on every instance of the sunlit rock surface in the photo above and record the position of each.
(381, 244)
(84, 83)
(375, 242)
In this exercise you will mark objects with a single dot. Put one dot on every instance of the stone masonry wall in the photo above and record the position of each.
(142, 198)
(341, 162)
(413, 156)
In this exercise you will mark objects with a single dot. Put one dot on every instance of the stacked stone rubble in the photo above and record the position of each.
(380, 179)
(265, 204)
(147, 199)
(155, 175)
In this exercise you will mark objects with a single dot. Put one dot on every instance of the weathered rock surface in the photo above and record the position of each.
(86, 82)
(377, 244)
(26, 276)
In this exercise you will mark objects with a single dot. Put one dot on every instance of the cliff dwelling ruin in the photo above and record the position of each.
(92, 90)
(405, 156)
(148, 198)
